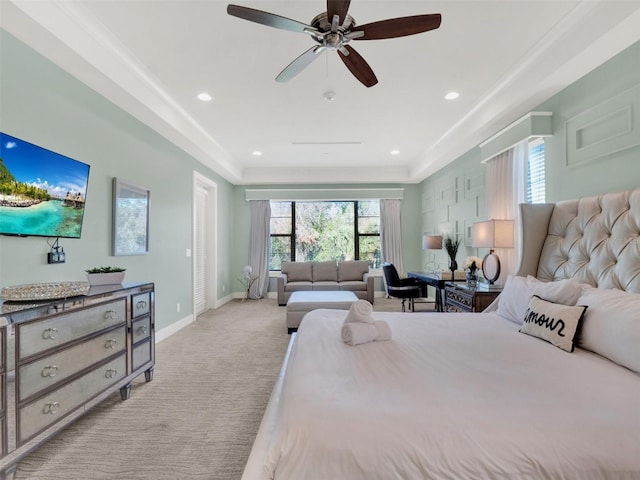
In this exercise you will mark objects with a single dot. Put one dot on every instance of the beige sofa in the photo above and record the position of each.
(351, 276)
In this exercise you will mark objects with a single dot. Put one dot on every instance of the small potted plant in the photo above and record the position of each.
(105, 275)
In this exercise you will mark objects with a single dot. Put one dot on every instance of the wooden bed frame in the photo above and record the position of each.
(595, 240)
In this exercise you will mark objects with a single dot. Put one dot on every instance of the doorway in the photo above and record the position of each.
(204, 251)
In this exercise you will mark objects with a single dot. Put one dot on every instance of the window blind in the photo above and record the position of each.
(536, 171)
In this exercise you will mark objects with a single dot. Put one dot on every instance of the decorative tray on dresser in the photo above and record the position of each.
(60, 357)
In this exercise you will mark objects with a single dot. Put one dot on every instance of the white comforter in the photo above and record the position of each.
(452, 396)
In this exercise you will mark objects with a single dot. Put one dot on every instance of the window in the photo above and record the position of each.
(281, 227)
(322, 231)
(536, 172)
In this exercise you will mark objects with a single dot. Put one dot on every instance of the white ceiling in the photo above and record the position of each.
(152, 58)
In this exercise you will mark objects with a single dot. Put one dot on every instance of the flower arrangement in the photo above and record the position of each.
(472, 263)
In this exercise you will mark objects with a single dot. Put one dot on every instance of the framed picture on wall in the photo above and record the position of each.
(130, 232)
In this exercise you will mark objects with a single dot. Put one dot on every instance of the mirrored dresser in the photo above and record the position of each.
(60, 357)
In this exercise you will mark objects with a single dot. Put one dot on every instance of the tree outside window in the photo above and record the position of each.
(325, 231)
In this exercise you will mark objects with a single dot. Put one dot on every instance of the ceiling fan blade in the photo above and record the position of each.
(338, 7)
(358, 66)
(299, 64)
(266, 18)
(399, 27)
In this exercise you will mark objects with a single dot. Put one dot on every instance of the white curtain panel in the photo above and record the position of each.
(260, 211)
(506, 188)
(391, 233)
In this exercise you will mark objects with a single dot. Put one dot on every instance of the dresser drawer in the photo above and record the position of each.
(463, 299)
(35, 337)
(141, 355)
(36, 376)
(44, 412)
(141, 329)
(140, 304)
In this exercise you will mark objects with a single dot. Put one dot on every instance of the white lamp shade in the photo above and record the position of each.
(492, 234)
(432, 242)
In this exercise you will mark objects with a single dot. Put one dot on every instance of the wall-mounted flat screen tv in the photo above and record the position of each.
(42, 192)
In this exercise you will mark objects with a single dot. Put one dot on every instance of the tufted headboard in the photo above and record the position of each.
(594, 239)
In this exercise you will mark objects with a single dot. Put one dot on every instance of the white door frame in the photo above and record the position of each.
(211, 224)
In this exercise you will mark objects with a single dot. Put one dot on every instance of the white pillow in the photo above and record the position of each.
(515, 296)
(611, 327)
(566, 292)
(517, 291)
(553, 322)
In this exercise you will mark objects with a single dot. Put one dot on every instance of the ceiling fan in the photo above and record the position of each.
(334, 29)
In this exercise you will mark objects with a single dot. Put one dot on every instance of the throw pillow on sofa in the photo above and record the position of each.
(324, 272)
(297, 271)
(352, 270)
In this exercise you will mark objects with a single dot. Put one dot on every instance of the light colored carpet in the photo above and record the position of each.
(199, 416)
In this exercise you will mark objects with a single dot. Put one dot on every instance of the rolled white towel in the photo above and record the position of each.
(359, 332)
(360, 311)
(383, 329)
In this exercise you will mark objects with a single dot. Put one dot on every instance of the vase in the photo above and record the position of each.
(472, 278)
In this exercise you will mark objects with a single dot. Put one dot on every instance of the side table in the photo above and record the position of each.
(249, 280)
(459, 297)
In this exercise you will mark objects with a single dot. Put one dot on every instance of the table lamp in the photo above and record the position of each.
(492, 234)
(431, 242)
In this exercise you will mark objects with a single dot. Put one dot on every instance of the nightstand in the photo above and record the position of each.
(459, 297)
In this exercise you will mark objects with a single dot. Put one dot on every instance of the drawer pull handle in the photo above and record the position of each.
(143, 329)
(111, 373)
(51, 408)
(110, 314)
(111, 343)
(49, 371)
(50, 333)
(141, 304)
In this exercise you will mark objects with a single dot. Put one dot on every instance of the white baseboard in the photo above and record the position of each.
(166, 332)
(226, 299)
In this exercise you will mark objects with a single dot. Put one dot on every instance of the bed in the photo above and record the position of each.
(496, 395)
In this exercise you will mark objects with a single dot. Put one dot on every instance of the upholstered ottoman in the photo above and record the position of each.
(301, 303)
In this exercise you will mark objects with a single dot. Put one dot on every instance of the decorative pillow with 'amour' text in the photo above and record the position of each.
(553, 322)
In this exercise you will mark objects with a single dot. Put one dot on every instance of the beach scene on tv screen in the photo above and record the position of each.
(41, 192)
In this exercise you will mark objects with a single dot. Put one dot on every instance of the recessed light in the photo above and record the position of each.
(205, 97)
(452, 95)
(395, 152)
(257, 153)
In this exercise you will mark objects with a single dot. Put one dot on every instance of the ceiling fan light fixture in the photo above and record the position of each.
(329, 96)
(451, 95)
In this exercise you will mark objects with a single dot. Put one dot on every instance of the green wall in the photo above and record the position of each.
(618, 170)
(454, 197)
(42, 104)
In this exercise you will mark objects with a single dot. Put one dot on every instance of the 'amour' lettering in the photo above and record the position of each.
(544, 321)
